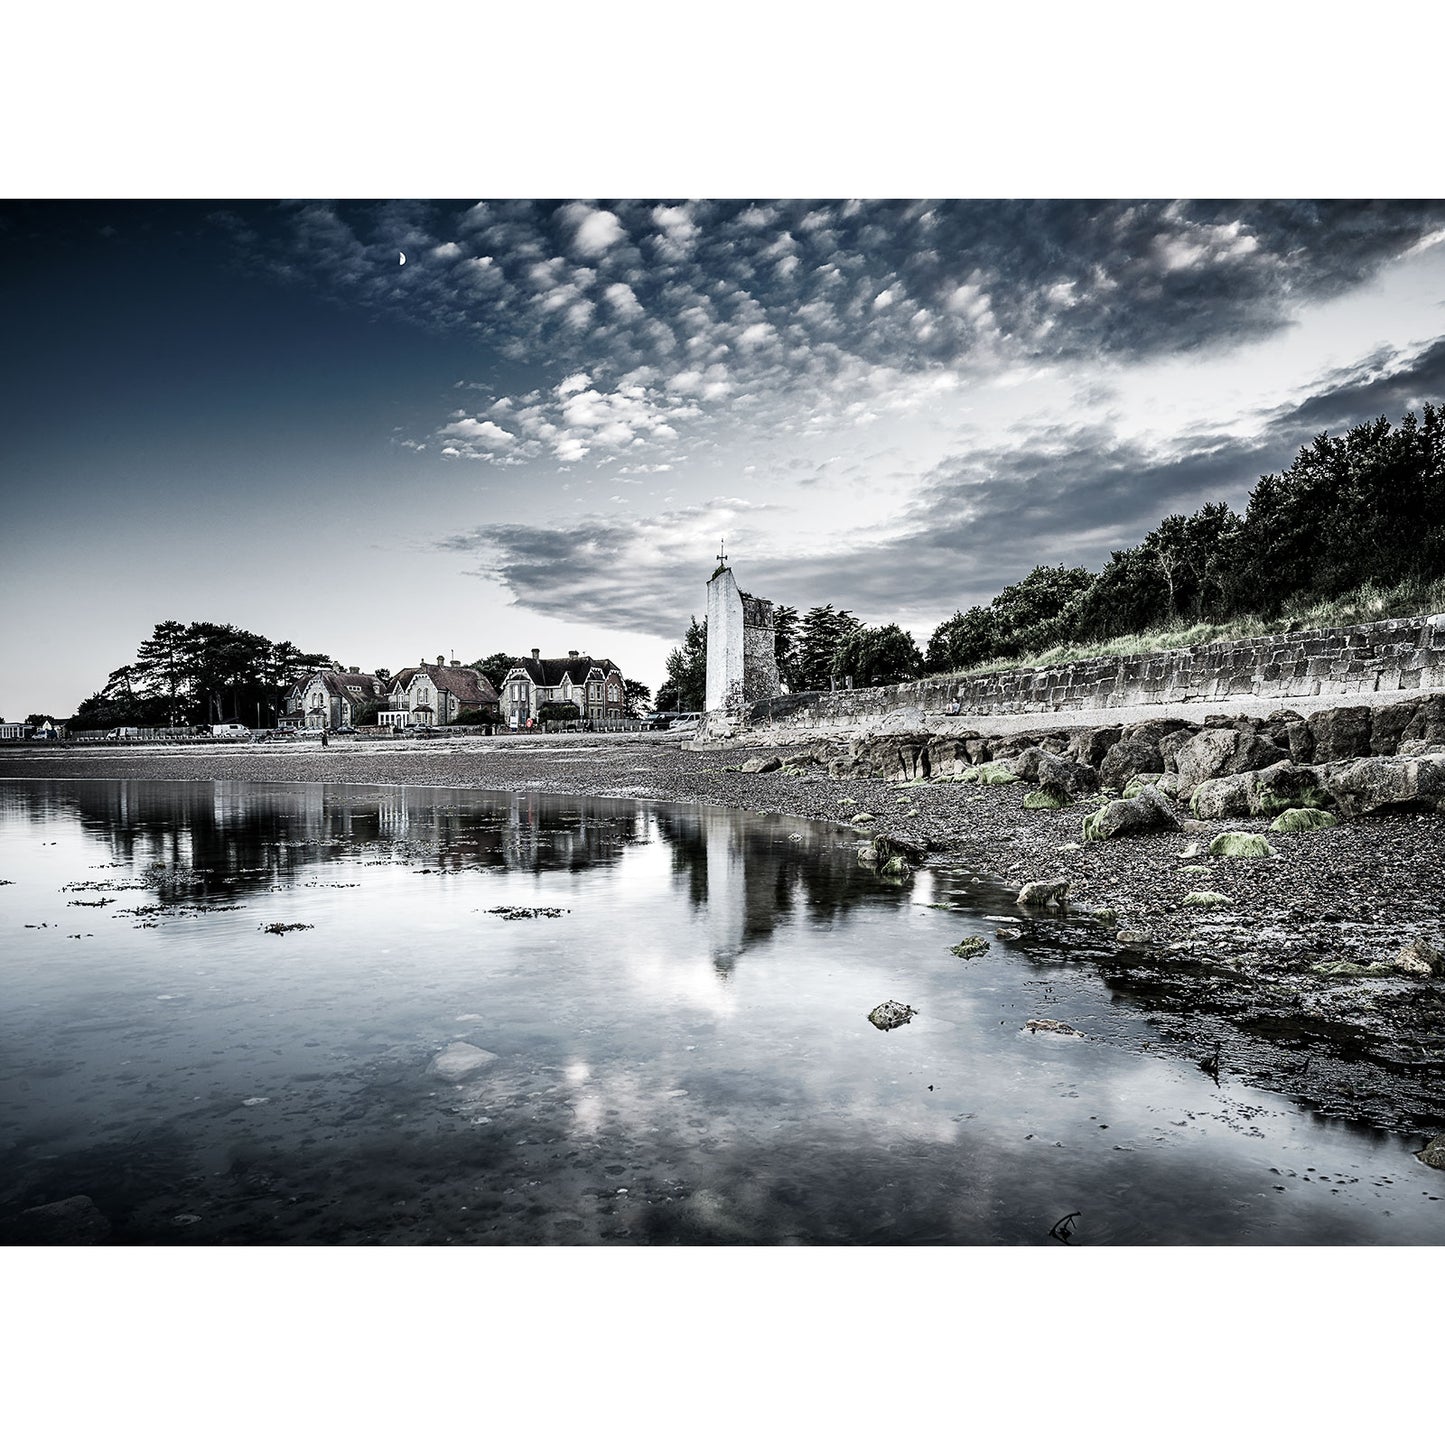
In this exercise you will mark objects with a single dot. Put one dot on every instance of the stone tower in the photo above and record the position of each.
(742, 664)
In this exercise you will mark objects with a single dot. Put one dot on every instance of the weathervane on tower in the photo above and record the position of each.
(722, 556)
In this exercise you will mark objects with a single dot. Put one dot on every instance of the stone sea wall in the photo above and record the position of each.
(1400, 653)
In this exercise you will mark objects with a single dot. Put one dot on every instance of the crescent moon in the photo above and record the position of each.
(402, 254)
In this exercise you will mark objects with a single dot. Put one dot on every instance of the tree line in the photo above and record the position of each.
(1365, 508)
(188, 674)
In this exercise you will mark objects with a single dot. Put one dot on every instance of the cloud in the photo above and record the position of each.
(596, 231)
(765, 314)
(645, 574)
(1070, 494)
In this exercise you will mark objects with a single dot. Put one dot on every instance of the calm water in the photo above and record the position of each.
(682, 1053)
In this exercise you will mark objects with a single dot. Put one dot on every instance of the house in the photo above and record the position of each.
(331, 699)
(594, 684)
(436, 693)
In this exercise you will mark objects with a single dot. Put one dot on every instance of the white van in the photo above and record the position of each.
(121, 735)
(231, 732)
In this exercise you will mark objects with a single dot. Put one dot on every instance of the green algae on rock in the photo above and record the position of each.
(1240, 845)
(1050, 798)
(1207, 900)
(971, 946)
(1302, 820)
(891, 1014)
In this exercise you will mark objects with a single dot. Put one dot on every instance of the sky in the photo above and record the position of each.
(538, 430)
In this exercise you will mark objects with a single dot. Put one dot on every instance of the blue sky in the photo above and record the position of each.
(535, 432)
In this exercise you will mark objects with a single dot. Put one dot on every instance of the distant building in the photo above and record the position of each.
(742, 661)
(330, 699)
(594, 684)
(436, 693)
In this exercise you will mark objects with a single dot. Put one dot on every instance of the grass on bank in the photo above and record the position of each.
(1368, 603)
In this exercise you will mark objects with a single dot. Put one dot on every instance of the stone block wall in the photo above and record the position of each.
(1399, 653)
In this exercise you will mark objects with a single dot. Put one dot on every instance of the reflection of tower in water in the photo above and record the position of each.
(727, 888)
(749, 874)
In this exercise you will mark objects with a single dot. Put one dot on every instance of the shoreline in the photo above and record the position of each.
(1267, 979)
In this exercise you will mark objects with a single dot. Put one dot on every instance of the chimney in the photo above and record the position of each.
(441, 658)
(536, 652)
(572, 653)
(455, 663)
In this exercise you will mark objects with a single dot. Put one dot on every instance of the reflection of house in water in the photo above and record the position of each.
(744, 874)
(243, 837)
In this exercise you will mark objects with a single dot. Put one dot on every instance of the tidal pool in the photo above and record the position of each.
(670, 1006)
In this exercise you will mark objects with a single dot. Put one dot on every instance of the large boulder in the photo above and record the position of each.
(1013, 744)
(1146, 813)
(1341, 733)
(1220, 753)
(1170, 744)
(460, 1061)
(1159, 727)
(1262, 793)
(74, 1220)
(899, 757)
(1128, 758)
(1425, 732)
(1390, 785)
(1387, 726)
(1287, 730)
(1053, 770)
(1089, 745)
(949, 756)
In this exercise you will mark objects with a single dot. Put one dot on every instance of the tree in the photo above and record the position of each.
(496, 667)
(1026, 613)
(966, 639)
(785, 645)
(199, 672)
(636, 697)
(878, 656)
(820, 634)
(685, 689)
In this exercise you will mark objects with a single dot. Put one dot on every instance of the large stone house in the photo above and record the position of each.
(436, 693)
(594, 684)
(331, 699)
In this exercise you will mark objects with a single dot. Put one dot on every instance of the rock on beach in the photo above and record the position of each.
(460, 1061)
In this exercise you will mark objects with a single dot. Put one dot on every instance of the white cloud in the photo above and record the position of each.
(623, 300)
(479, 433)
(596, 232)
(678, 229)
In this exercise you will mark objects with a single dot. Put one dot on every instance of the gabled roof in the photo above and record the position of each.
(338, 684)
(465, 684)
(551, 671)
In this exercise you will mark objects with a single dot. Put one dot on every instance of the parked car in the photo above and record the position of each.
(231, 732)
(120, 735)
(685, 720)
(344, 732)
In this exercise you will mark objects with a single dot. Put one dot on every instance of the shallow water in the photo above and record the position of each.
(683, 1053)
